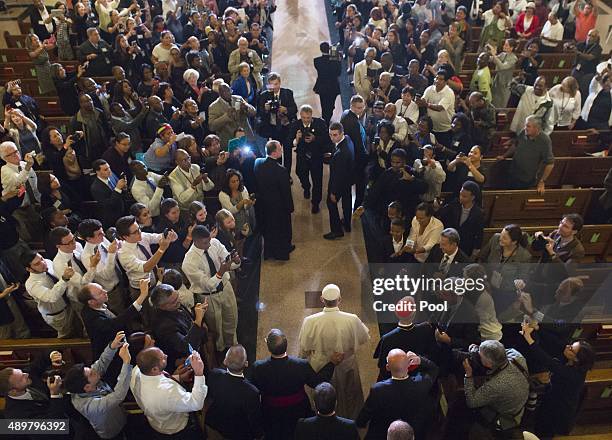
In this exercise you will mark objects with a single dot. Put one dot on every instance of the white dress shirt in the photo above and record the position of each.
(554, 32)
(133, 259)
(428, 239)
(105, 272)
(183, 192)
(408, 112)
(165, 402)
(594, 89)
(143, 193)
(195, 267)
(79, 279)
(46, 293)
(445, 98)
(12, 179)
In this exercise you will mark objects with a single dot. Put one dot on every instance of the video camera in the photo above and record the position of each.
(274, 105)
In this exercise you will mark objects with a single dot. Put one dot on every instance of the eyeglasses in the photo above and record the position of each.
(12, 153)
(136, 231)
(70, 242)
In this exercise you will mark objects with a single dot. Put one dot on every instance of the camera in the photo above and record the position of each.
(307, 131)
(274, 105)
(335, 52)
(76, 137)
(539, 243)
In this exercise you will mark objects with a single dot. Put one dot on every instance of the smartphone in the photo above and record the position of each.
(166, 231)
(69, 263)
(188, 360)
(229, 257)
(96, 249)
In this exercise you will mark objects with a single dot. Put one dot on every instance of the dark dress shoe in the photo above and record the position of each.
(306, 193)
(315, 209)
(292, 248)
(332, 235)
(346, 226)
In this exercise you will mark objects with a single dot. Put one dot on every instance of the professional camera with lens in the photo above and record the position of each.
(335, 52)
(307, 131)
(539, 243)
(274, 105)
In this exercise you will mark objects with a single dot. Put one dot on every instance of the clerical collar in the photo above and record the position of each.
(399, 378)
(235, 375)
(406, 326)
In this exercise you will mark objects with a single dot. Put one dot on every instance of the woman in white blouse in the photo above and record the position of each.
(425, 232)
(567, 101)
(235, 198)
(161, 51)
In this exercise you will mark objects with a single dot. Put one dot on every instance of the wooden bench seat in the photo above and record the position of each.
(25, 69)
(560, 60)
(565, 143)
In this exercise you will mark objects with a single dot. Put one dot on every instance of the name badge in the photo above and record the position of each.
(41, 22)
(104, 49)
(57, 204)
(140, 36)
(578, 66)
(18, 104)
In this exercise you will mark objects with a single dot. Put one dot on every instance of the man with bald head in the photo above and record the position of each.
(536, 101)
(418, 338)
(229, 112)
(399, 123)
(400, 430)
(235, 409)
(164, 401)
(245, 55)
(588, 55)
(405, 396)
(155, 117)
(280, 380)
(187, 181)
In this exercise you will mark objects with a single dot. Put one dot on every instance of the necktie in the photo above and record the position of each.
(212, 269)
(108, 313)
(112, 182)
(151, 184)
(118, 272)
(55, 279)
(28, 187)
(80, 264)
(147, 255)
(444, 264)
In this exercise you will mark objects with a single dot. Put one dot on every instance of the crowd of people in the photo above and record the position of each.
(141, 226)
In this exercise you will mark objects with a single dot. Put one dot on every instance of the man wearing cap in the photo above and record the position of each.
(418, 338)
(334, 331)
(160, 155)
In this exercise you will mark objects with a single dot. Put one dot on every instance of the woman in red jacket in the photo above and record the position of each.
(527, 23)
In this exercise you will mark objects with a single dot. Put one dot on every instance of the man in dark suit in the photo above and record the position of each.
(466, 216)
(43, 24)
(405, 396)
(174, 327)
(280, 379)
(408, 336)
(26, 402)
(107, 190)
(102, 325)
(326, 425)
(97, 52)
(351, 121)
(311, 138)
(327, 85)
(276, 110)
(274, 203)
(235, 406)
(339, 187)
(446, 259)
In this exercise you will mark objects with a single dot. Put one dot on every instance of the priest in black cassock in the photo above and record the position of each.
(274, 203)
(280, 380)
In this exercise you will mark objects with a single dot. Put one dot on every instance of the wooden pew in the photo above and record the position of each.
(77, 350)
(12, 54)
(574, 171)
(25, 69)
(597, 403)
(528, 208)
(574, 143)
(14, 41)
(30, 86)
(49, 106)
(553, 76)
(561, 60)
(61, 122)
(596, 239)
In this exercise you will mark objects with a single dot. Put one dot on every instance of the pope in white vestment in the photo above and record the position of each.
(332, 331)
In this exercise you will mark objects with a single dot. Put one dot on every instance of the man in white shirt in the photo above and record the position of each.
(332, 331)
(69, 253)
(49, 292)
(400, 124)
(361, 81)
(188, 183)
(164, 401)
(552, 34)
(536, 101)
(439, 100)
(207, 265)
(408, 109)
(106, 273)
(17, 175)
(148, 187)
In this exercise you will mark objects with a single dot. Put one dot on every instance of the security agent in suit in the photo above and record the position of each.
(327, 85)
(354, 129)
(446, 259)
(97, 52)
(107, 190)
(466, 216)
(234, 410)
(23, 401)
(405, 396)
(340, 182)
(274, 203)
(276, 110)
(311, 138)
(326, 425)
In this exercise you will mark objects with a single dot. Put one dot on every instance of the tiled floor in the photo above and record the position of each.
(298, 29)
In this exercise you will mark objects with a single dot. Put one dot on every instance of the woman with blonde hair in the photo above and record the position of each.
(567, 102)
(23, 131)
(244, 84)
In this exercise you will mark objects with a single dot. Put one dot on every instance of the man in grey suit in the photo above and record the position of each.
(227, 113)
(187, 181)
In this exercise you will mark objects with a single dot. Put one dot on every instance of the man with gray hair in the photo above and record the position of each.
(235, 409)
(97, 52)
(365, 73)
(445, 258)
(400, 430)
(532, 156)
(19, 179)
(501, 399)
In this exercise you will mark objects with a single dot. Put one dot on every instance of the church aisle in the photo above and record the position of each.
(299, 27)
